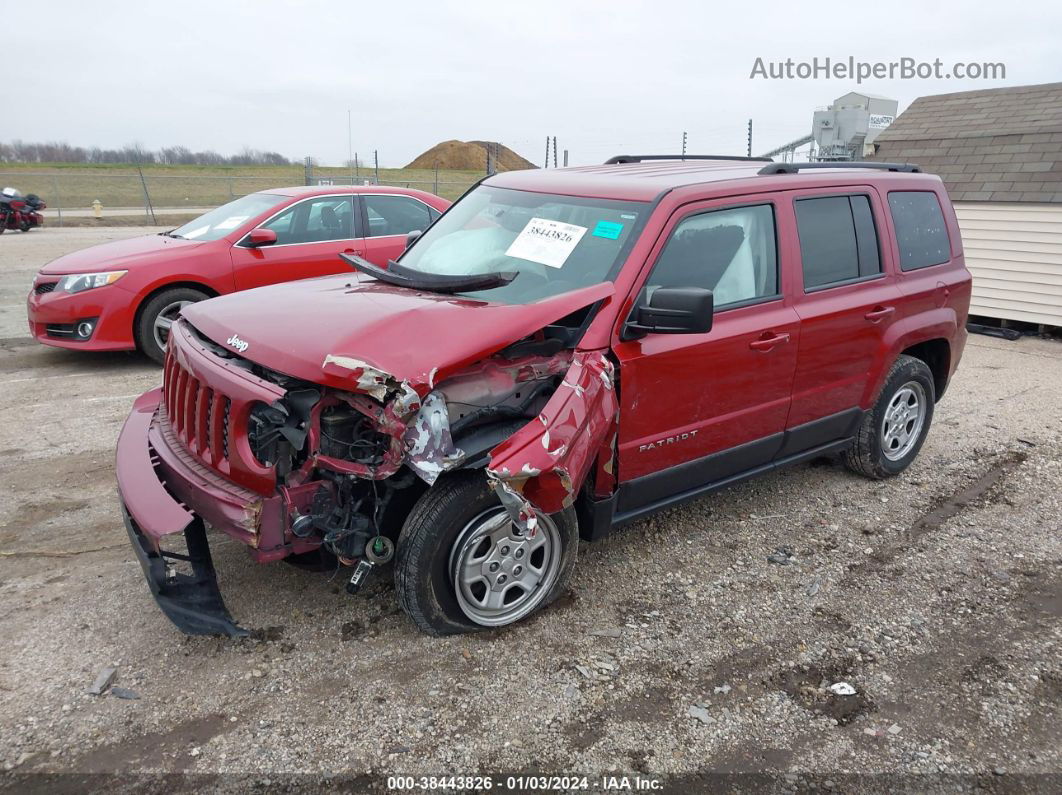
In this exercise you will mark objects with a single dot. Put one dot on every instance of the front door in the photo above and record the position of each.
(697, 408)
(310, 236)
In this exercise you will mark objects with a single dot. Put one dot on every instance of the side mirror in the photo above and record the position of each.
(672, 310)
(261, 237)
(412, 237)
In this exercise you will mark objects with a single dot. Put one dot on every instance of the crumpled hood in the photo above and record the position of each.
(324, 330)
(123, 254)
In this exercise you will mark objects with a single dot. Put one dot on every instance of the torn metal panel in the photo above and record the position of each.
(543, 465)
(430, 449)
(509, 493)
(373, 381)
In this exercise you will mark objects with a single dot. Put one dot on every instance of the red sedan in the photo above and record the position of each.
(126, 294)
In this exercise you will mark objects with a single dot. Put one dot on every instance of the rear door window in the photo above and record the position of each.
(838, 240)
(921, 234)
(395, 215)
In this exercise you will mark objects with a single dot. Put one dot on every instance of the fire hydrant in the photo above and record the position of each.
(97, 208)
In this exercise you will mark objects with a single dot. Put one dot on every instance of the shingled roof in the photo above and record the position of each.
(1000, 144)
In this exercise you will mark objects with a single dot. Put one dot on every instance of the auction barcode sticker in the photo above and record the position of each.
(547, 242)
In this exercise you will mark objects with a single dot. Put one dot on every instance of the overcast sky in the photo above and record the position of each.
(604, 77)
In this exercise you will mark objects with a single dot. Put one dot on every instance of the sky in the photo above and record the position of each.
(605, 78)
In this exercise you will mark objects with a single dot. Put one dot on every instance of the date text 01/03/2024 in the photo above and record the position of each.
(524, 783)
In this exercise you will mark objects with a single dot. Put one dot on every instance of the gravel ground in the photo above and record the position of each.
(681, 654)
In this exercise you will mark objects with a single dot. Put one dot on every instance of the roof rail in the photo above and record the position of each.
(612, 161)
(793, 168)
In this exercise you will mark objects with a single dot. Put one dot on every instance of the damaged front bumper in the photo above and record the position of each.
(191, 601)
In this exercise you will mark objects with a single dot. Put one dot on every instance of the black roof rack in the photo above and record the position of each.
(794, 168)
(612, 161)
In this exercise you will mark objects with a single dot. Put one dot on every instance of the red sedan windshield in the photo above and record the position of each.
(215, 224)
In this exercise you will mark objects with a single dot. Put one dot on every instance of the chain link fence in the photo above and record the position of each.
(130, 198)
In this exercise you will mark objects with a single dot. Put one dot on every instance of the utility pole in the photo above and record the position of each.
(554, 151)
(748, 149)
(350, 149)
(684, 144)
(565, 158)
(143, 184)
(376, 163)
(546, 164)
(357, 174)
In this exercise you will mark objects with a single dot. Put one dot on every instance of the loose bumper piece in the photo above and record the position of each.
(191, 601)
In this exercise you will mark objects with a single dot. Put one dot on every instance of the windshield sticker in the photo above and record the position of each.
(231, 222)
(546, 242)
(608, 229)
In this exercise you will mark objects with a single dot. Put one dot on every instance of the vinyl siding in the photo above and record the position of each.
(1014, 251)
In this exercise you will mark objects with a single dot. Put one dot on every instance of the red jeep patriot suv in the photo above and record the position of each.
(560, 353)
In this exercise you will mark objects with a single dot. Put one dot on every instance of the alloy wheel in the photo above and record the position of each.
(164, 320)
(500, 574)
(902, 424)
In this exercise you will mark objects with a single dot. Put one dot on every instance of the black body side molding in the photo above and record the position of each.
(676, 485)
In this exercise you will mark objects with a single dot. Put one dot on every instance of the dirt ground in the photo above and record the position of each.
(680, 655)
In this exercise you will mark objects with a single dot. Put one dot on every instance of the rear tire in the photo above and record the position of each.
(449, 560)
(892, 433)
(156, 317)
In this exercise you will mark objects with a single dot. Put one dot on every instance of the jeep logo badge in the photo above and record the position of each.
(237, 343)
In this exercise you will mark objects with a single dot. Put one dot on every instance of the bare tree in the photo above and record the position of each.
(18, 151)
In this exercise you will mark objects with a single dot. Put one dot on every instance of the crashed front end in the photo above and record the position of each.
(290, 467)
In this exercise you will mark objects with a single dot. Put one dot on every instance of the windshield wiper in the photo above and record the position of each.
(402, 276)
(170, 234)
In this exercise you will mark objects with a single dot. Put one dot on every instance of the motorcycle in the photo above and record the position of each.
(20, 212)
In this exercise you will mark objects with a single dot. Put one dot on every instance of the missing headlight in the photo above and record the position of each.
(277, 433)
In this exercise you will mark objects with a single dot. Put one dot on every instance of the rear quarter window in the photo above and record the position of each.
(921, 234)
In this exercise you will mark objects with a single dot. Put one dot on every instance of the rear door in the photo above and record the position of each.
(848, 301)
(696, 408)
(310, 236)
(388, 220)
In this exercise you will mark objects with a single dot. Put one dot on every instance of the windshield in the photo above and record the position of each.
(215, 224)
(554, 244)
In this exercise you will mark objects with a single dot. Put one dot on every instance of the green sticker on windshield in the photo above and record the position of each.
(608, 229)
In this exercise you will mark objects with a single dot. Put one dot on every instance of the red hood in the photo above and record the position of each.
(417, 337)
(123, 254)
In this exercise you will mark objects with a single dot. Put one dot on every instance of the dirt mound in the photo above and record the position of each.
(470, 156)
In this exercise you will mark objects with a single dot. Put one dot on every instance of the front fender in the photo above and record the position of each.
(543, 465)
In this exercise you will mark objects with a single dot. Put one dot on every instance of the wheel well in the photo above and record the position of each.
(937, 356)
(211, 293)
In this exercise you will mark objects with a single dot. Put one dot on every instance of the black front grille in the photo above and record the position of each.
(61, 329)
(47, 287)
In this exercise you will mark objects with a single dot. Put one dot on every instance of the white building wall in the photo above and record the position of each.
(1014, 251)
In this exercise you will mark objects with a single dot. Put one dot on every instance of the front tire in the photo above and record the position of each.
(461, 566)
(892, 433)
(158, 315)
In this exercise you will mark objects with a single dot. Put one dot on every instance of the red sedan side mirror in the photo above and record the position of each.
(261, 237)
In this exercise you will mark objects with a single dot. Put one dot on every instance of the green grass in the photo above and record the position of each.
(74, 185)
(169, 220)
